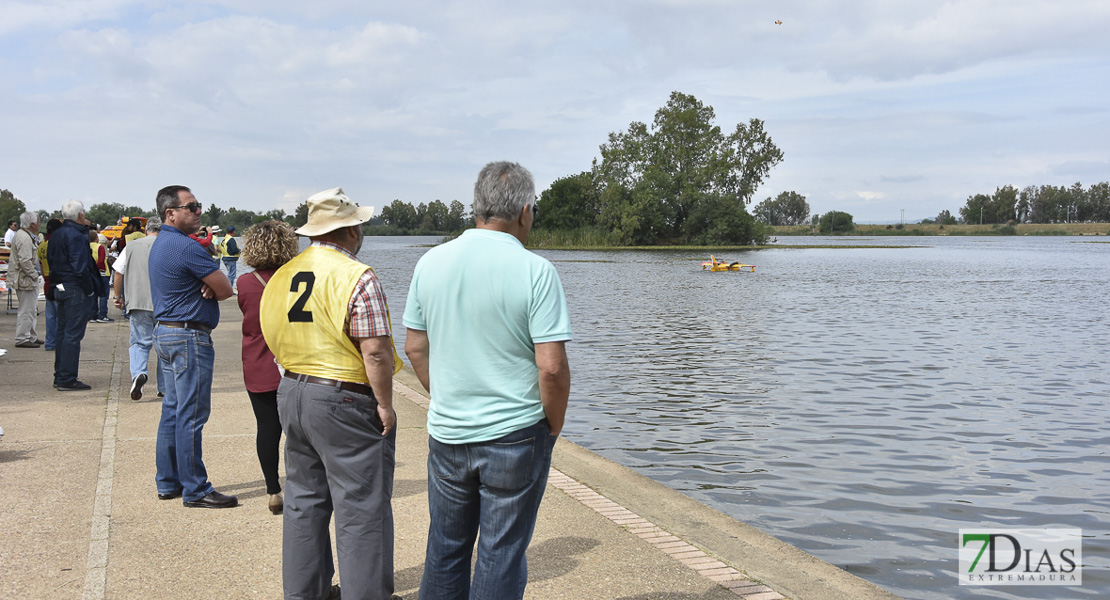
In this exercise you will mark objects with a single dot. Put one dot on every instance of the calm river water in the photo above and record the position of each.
(861, 404)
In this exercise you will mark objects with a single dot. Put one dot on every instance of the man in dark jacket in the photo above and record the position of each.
(75, 279)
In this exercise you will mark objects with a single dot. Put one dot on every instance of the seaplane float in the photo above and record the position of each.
(713, 264)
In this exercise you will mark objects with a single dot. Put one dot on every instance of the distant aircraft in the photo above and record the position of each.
(778, 22)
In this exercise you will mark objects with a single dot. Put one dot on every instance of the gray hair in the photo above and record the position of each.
(27, 219)
(502, 191)
(153, 225)
(72, 209)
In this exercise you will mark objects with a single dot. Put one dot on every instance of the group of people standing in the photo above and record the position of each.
(66, 260)
(487, 323)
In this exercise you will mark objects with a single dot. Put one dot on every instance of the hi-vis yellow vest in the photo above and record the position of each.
(95, 247)
(223, 247)
(303, 311)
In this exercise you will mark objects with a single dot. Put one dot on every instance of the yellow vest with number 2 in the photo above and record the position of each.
(303, 313)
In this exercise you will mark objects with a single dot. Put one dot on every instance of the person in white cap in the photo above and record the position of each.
(324, 316)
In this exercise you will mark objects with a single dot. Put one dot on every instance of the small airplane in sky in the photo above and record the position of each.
(778, 22)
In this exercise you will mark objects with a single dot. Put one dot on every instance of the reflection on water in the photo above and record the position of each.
(862, 404)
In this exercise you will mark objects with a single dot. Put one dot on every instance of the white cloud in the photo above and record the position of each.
(251, 101)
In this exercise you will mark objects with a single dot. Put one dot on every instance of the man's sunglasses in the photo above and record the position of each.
(193, 207)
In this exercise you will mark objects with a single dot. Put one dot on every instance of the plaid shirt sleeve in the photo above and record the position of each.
(366, 312)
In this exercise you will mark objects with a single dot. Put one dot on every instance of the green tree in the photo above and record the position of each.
(240, 219)
(400, 215)
(836, 221)
(1003, 204)
(974, 211)
(652, 180)
(570, 203)
(1000, 208)
(456, 216)
(10, 208)
(945, 218)
(1098, 199)
(718, 220)
(788, 208)
(435, 217)
(299, 216)
(109, 213)
(213, 216)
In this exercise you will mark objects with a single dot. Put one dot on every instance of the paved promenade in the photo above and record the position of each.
(80, 517)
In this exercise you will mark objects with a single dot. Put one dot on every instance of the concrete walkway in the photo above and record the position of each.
(81, 518)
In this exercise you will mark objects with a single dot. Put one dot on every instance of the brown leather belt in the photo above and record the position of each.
(350, 386)
(186, 325)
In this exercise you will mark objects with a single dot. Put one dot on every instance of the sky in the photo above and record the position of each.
(886, 110)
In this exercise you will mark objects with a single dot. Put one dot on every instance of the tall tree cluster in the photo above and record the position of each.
(681, 178)
(433, 218)
(1039, 204)
(788, 208)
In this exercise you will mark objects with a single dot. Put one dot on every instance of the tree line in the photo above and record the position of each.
(1039, 204)
(397, 218)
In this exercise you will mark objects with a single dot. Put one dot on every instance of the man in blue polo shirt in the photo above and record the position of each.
(487, 326)
(186, 287)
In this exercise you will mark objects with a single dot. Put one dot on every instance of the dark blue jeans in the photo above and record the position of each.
(73, 316)
(494, 487)
(185, 360)
(51, 337)
(102, 301)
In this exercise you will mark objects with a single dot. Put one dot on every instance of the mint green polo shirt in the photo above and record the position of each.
(485, 301)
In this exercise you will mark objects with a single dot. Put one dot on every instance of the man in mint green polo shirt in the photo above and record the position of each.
(487, 326)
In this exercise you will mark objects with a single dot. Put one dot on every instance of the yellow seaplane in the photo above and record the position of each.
(723, 265)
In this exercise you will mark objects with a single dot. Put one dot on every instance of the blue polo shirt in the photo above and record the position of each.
(485, 301)
(177, 265)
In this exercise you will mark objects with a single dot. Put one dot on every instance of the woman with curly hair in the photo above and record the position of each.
(266, 246)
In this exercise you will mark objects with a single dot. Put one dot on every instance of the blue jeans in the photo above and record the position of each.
(232, 264)
(185, 359)
(142, 341)
(73, 316)
(494, 487)
(51, 335)
(102, 313)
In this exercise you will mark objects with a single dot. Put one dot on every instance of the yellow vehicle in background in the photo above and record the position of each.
(116, 230)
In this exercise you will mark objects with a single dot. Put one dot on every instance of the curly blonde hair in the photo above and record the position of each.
(268, 245)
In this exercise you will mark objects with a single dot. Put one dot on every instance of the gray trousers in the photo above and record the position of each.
(28, 316)
(335, 460)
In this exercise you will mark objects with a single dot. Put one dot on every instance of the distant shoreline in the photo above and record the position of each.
(916, 229)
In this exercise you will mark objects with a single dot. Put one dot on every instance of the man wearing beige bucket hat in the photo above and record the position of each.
(325, 318)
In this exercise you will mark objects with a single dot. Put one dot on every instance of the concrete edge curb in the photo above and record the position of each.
(748, 562)
(762, 557)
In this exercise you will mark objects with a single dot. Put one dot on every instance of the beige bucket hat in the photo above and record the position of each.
(331, 209)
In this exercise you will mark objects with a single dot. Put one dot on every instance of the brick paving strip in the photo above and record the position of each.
(685, 553)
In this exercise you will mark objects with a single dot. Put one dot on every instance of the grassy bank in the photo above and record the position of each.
(914, 229)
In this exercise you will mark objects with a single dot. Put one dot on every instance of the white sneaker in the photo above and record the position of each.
(137, 386)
